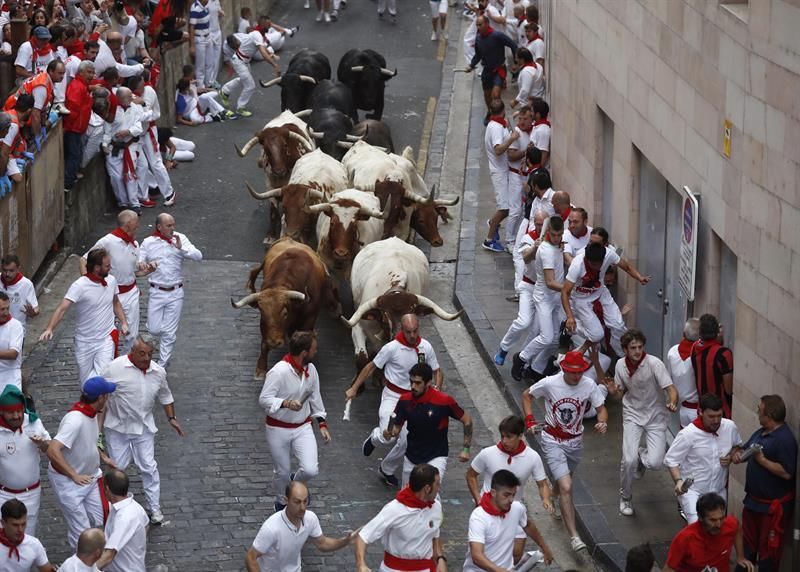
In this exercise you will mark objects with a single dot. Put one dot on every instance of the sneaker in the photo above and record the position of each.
(492, 246)
(625, 507)
(137, 210)
(223, 97)
(217, 118)
(242, 112)
(334, 15)
(319, 17)
(380, 15)
(496, 236)
(577, 544)
(228, 114)
(156, 517)
(434, 37)
(148, 204)
(326, 17)
(343, 4)
(390, 480)
(517, 365)
(307, 5)
(293, 30)
(170, 200)
(446, 36)
(278, 506)
(500, 357)
(514, 298)
(367, 447)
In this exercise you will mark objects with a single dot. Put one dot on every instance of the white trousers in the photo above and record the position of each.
(93, 138)
(163, 318)
(124, 448)
(80, 505)
(392, 461)
(652, 456)
(244, 80)
(276, 39)
(525, 321)
(184, 149)
(516, 256)
(589, 326)
(203, 61)
(32, 500)
(130, 305)
(126, 192)
(515, 210)
(500, 187)
(688, 502)
(545, 344)
(216, 56)
(157, 172)
(438, 462)
(93, 356)
(283, 443)
(391, 4)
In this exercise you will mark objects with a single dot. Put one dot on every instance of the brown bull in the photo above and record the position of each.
(423, 211)
(295, 287)
(298, 222)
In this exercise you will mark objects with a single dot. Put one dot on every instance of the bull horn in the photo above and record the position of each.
(270, 83)
(422, 300)
(344, 144)
(376, 213)
(389, 73)
(303, 113)
(307, 79)
(354, 138)
(294, 295)
(247, 146)
(315, 194)
(316, 134)
(415, 197)
(446, 202)
(318, 208)
(271, 194)
(249, 299)
(306, 143)
(357, 68)
(360, 311)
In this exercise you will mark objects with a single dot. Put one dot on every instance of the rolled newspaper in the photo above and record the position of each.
(528, 561)
(346, 416)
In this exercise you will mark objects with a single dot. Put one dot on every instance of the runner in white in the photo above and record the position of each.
(395, 359)
(679, 366)
(122, 247)
(702, 451)
(577, 233)
(408, 527)
(291, 398)
(494, 527)
(281, 538)
(567, 396)
(91, 543)
(22, 439)
(74, 470)
(12, 335)
(20, 290)
(19, 551)
(517, 175)
(96, 301)
(239, 49)
(126, 527)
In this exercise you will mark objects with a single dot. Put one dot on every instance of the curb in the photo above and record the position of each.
(603, 544)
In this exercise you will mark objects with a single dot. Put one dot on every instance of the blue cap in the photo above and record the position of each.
(42, 33)
(94, 387)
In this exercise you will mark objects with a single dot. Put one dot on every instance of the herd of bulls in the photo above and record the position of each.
(344, 205)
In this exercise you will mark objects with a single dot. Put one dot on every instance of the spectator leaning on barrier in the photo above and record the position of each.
(34, 55)
(79, 103)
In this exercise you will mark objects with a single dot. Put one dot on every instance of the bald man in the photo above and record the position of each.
(106, 58)
(561, 204)
(167, 248)
(395, 359)
(121, 148)
(91, 543)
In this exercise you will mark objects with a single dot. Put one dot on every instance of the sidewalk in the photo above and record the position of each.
(483, 281)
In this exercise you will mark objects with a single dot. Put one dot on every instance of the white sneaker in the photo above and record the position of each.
(577, 544)
(434, 37)
(156, 517)
(319, 16)
(327, 17)
(170, 200)
(446, 35)
(625, 507)
(307, 5)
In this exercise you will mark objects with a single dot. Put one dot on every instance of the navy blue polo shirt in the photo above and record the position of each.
(780, 446)
(428, 419)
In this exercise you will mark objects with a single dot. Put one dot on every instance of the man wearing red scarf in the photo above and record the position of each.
(679, 367)
(494, 524)
(577, 234)
(12, 335)
(497, 141)
(19, 552)
(641, 381)
(34, 55)
(540, 137)
(713, 363)
(490, 50)
(408, 527)
(121, 147)
(530, 79)
(74, 469)
(517, 174)
(702, 451)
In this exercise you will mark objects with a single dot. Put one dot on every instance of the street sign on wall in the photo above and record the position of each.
(688, 268)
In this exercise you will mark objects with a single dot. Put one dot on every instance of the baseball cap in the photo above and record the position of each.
(94, 387)
(574, 362)
(42, 33)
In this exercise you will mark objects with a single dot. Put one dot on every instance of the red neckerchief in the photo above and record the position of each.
(17, 407)
(7, 320)
(119, 233)
(41, 51)
(407, 497)
(530, 65)
(158, 234)
(701, 345)
(564, 215)
(499, 119)
(513, 453)
(534, 234)
(96, 279)
(11, 282)
(685, 349)
(486, 504)
(136, 366)
(299, 369)
(592, 277)
(12, 546)
(535, 37)
(632, 367)
(528, 130)
(401, 337)
(84, 408)
(698, 422)
(541, 122)
(489, 30)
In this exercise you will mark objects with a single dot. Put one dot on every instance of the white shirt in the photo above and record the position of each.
(524, 465)
(126, 532)
(74, 564)
(125, 120)
(25, 59)
(577, 270)
(105, 59)
(280, 542)
(8, 140)
(548, 257)
(643, 402)
(404, 531)
(78, 433)
(697, 453)
(284, 383)
(576, 244)
(682, 374)
(530, 82)
(540, 136)
(19, 456)
(31, 553)
(496, 134)
(152, 108)
(519, 145)
(248, 45)
(124, 257)
(566, 404)
(525, 244)
(536, 47)
(396, 360)
(169, 257)
(244, 23)
(497, 535)
(12, 334)
(213, 13)
(543, 203)
(94, 307)
(130, 407)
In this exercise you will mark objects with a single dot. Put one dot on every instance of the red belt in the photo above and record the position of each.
(689, 405)
(527, 280)
(411, 564)
(124, 288)
(272, 422)
(583, 290)
(775, 512)
(166, 288)
(559, 433)
(396, 388)
(33, 487)
(517, 171)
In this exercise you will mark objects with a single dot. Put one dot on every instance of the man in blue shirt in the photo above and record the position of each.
(490, 49)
